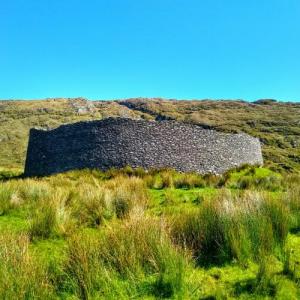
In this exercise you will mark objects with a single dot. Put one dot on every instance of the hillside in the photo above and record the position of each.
(275, 123)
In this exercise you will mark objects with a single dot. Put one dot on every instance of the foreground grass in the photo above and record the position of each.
(132, 234)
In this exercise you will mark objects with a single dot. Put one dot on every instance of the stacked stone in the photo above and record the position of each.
(119, 142)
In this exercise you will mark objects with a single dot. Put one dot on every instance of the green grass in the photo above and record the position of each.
(131, 234)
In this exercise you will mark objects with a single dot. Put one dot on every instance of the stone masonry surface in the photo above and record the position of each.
(121, 142)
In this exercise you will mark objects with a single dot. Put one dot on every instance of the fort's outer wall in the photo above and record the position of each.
(121, 142)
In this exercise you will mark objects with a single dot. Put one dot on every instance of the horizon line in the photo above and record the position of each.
(150, 98)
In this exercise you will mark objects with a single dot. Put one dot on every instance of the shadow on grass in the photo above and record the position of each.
(295, 230)
(251, 287)
(7, 175)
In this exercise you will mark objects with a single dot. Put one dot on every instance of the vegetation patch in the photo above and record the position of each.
(128, 233)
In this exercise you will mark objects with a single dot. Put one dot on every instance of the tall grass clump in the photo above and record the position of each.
(271, 183)
(259, 179)
(9, 198)
(189, 181)
(203, 231)
(128, 253)
(277, 213)
(83, 268)
(87, 205)
(168, 178)
(91, 204)
(21, 275)
(226, 228)
(125, 194)
(264, 282)
(292, 200)
(43, 221)
(33, 190)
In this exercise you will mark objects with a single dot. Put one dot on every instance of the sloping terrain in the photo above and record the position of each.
(277, 124)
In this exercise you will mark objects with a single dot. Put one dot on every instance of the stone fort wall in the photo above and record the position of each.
(149, 144)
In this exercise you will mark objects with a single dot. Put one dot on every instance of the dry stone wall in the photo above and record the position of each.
(138, 143)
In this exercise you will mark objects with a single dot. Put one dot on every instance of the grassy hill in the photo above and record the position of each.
(277, 124)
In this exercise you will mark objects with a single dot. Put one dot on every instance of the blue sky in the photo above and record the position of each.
(185, 49)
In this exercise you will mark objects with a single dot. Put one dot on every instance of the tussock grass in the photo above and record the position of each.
(9, 198)
(141, 234)
(127, 193)
(229, 227)
(292, 200)
(43, 221)
(21, 276)
(138, 247)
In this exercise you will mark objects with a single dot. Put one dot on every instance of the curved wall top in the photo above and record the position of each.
(149, 144)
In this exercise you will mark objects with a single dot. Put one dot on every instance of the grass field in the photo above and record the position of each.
(131, 234)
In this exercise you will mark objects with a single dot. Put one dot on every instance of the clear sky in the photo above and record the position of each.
(185, 49)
